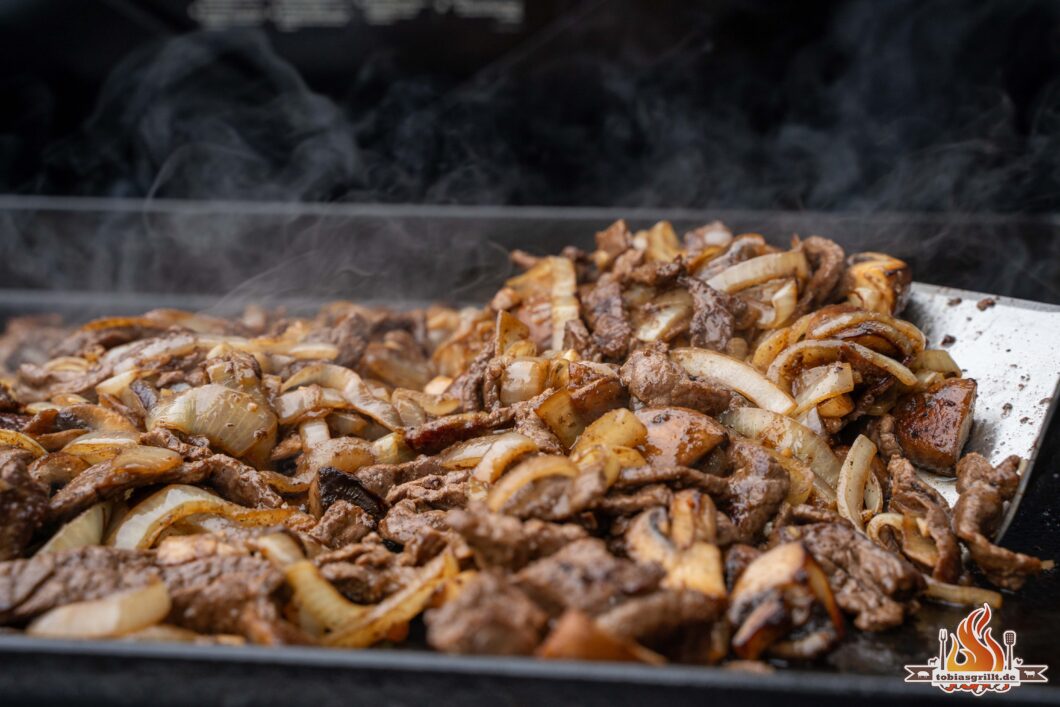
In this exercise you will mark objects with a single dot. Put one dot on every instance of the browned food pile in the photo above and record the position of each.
(665, 449)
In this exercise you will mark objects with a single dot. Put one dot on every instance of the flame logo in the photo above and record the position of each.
(973, 649)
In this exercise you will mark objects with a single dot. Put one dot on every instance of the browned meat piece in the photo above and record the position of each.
(546, 499)
(8, 402)
(881, 431)
(827, 260)
(606, 316)
(529, 424)
(504, 541)
(23, 503)
(240, 483)
(983, 490)
(577, 337)
(488, 617)
(875, 586)
(343, 523)
(434, 436)
(404, 521)
(13, 421)
(378, 479)
(350, 335)
(197, 449)
(585, 576)
(219, 593)
(102, 481)
(656, 274)
(911, 496)
(716, 316)
(30, 587)
(754, 491)
(365, 572)
(624, 504)
(675, 476)
(96, 339)
(441, 492)
(332, 486)
(656, 618)
(468, 385)
(614, 240)
(39, 383)
(655, 380)
(29, 339)
(933, 426)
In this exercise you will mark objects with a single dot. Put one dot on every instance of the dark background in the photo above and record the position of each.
(903, 105)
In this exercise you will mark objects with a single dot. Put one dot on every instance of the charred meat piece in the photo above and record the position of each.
(983, 490)
(332, 486)
(434, 436)
(933, 426)
(489, 616)
(873, 585)
(23, 503)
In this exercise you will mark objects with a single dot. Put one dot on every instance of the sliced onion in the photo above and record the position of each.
(736, 375)
(342, 453)
(438, 385)
(784, 302)
(664, 317)
(67, 364)
(769, 348)
(791, 263)
(564, 303)
(811, 353)
(962, 595)
(905, 336)
(659, 243)
(145, 523)
(938, 361)
(853, 477)
(11, 438)
(398, 609)
(318, 598)
(351, 386)
(526, 473)
(894, 521)
(509, 331)
(346, 424)
(523, 378)
(85, 529)
(823, 383)
(504, 450)
(98, 418)
(391, 449)
(786, 435)
(308, 401)
(230, 419)
(915, 545)
(113, 615)
(280, 549)
(615, 428)
(96, 447)
(839, 406)
(313, 432)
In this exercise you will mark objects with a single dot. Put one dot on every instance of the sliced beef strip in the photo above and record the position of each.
(625, 504)
(881, 431)
(656, 274)
(503, 541)
(489, 616)
(983, 490)
(219, 593)
(577, 337)
(101, 482)
(23, 503)
(342, 524)
(56, 469)
(875, 586)
(755, 491)
(585, 576)
(716, 316)
(240, 483)
(31, 587)
(828, 261)
(438, 492)
(606, 316)
(405, 520)
(655, 380)
(191, 450)
(911, 496)
(378, 479)
(434, 436)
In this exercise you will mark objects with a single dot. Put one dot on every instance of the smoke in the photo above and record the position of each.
(865, 106)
